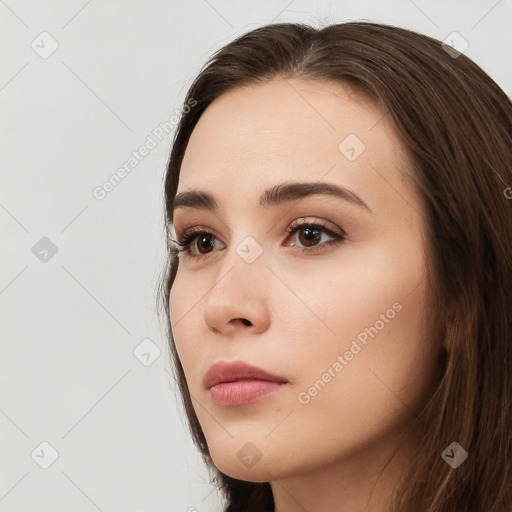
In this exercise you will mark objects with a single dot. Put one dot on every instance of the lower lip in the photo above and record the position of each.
(242, 392)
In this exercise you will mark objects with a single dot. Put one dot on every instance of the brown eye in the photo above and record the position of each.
(310, 237)
(204, 243)
(198, 243)
(195, 243)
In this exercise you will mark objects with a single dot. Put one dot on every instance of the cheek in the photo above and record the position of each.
(184, 299)
(385, 370)
(336, 300)
(371, 316)
(376, 375)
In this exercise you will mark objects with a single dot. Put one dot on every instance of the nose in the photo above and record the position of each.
(238, 299)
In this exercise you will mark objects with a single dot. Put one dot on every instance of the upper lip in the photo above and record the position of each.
(229, 372)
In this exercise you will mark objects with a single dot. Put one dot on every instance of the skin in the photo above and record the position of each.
(305, 309)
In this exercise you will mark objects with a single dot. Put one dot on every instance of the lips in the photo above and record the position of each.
(222, 372)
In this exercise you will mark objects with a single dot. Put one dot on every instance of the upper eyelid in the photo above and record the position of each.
(306, 220)
(337, 233)
(323, 223)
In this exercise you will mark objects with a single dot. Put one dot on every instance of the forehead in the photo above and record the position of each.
(286, 129)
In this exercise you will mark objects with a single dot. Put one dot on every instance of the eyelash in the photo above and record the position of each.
(190, 235)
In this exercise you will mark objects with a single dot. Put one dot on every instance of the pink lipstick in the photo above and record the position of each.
(238, 383)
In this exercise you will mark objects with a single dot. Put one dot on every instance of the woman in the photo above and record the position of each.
(339, 287)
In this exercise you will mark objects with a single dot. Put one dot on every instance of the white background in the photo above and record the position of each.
(69, 326)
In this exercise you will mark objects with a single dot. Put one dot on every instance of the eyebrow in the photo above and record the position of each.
(273, 196)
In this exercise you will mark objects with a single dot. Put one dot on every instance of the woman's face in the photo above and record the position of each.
(333, 309)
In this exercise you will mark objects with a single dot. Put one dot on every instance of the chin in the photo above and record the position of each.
(245, 464)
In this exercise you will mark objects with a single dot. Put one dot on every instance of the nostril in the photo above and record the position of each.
(246, 322)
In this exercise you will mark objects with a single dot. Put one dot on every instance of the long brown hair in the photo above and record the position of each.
(456, 125)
